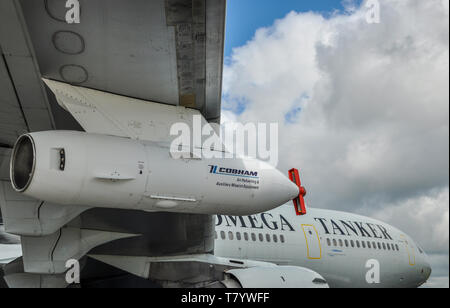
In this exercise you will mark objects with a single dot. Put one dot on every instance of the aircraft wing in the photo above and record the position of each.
(164, 51)
(169, 52)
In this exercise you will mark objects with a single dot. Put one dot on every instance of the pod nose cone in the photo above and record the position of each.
(287, 189)
(294, 190)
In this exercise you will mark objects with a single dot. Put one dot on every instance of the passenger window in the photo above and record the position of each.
(341, 243)
(352, 243)
(222, 234)
(334, 243)
(261, 237)
(374, 245)
(275, 238)
(396, 246)
(388, 246)
(346, 243)
(238, 236)
(246, 236)
(253, 237)
(282, 238)
(357, 244)
(384, 246)
(230, 235)
(363, 244)
(328, 242)
(368, 245)
(379, 246)
(268, 238)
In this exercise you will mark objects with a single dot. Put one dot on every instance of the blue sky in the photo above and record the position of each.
(244, 17)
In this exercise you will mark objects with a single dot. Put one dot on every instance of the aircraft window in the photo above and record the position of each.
(282, 238)
(346, 243)
(341, 243)
(334, 243)
(393, 247)
(246, 236)
(384, 246)
(222, 234)
(363, 244)
(253, 237)
(396, 247)
(261, 237)
(275, 238)
(238, 236)
(374, 245)
(352, 243)
(268, 238)
(357, 244)
(388, 246)
(379, 246)
(368, 245)
(328, 242)
(230, 235)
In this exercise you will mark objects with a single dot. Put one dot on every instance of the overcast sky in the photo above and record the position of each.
(363, 109)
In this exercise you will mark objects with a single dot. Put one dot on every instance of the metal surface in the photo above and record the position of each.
(169, 51)
(164, 51)
(23, 100)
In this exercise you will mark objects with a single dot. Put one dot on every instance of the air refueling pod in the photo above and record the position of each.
(74, 168)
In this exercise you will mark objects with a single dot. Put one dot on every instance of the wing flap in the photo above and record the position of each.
(111, 114)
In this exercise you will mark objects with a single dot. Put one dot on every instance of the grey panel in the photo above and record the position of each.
(5, 155)
(162, 233)
(215, 43)
(23, 101)
(167, 51)
(12, 123)
(128, 49)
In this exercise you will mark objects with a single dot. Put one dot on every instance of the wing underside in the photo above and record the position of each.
(169, 52)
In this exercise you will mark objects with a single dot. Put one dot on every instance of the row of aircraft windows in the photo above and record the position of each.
(363, 244)
(254, 237)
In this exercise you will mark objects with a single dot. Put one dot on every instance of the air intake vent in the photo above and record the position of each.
(23, 163)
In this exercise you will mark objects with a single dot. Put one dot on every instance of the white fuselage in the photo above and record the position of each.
(339, 246)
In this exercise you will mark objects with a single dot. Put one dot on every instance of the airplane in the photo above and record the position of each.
(338, 246)
(87, 171)
(322, 249)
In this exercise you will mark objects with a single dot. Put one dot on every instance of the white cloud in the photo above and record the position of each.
(373, 125)
(372, 134)
(425, 218)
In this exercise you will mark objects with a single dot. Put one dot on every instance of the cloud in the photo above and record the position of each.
(426, 219)
(363, 109)
(371, 100)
